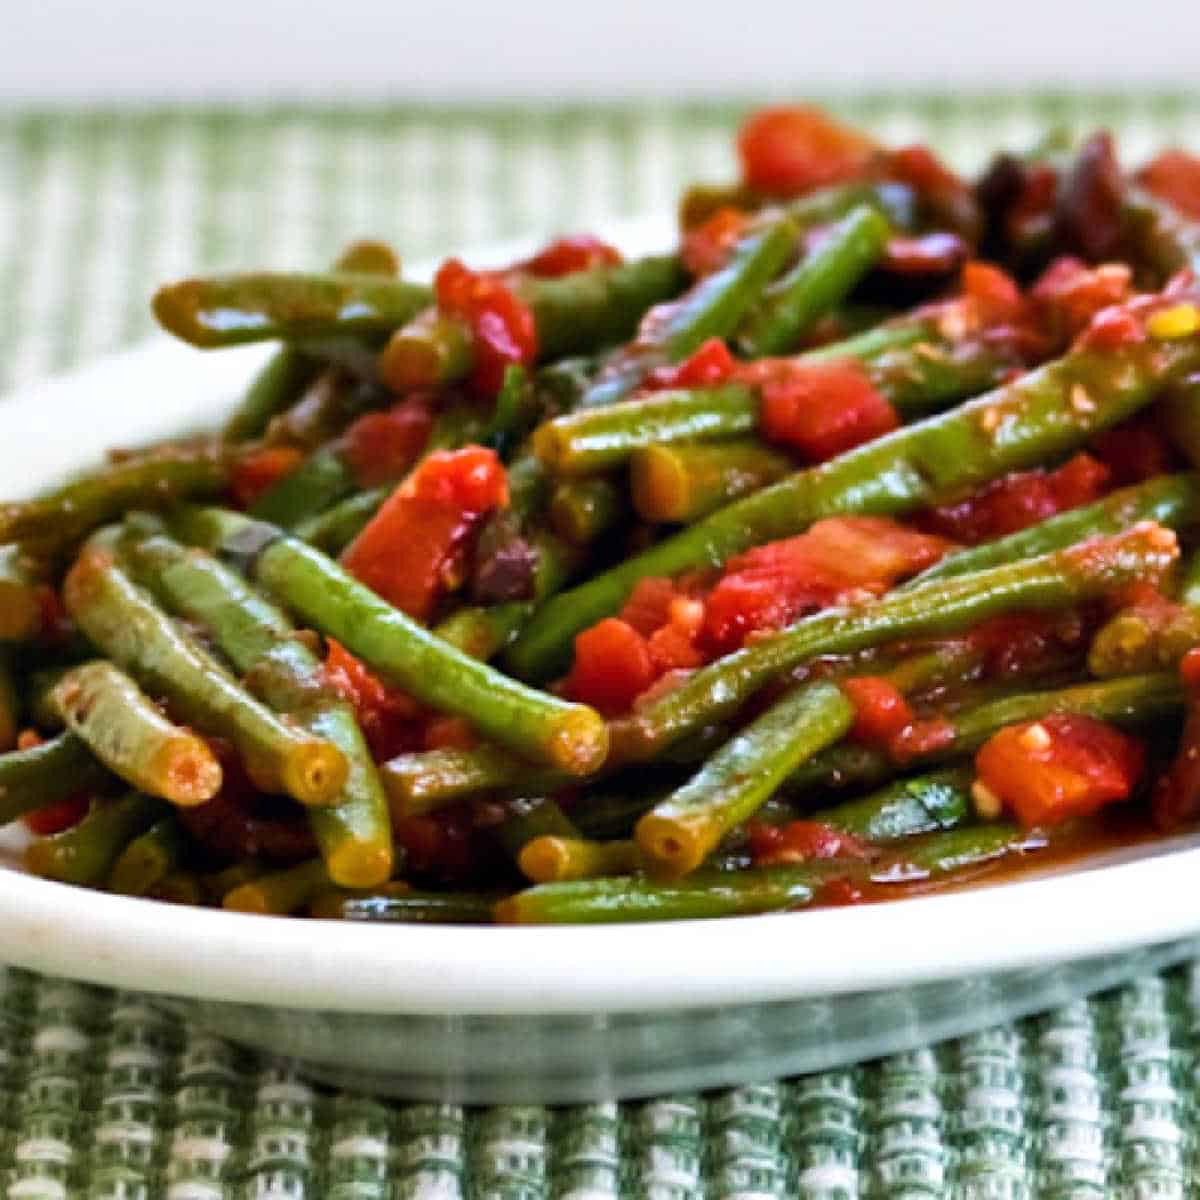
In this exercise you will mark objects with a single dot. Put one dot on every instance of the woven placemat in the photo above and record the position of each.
(103, 1095)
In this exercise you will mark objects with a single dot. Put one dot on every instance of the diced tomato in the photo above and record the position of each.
(1174, 176)
(801, 841)
(994, 293)
(449, 733)
(936, 253)
(1028, 643)
(840, 892)
(1135, 451)
(706, 247)
(381, 446)
(789, 150)
(921, 738)
(710, 364)
(260, 470)
(922, 170)
(385, 714)
(612, 666)
(649, 605)
(57, 817)
(412, 549)
(502, 324)
(821, 409)
(837, 558)
(673, 648)
(1062, 766)
(578, 252)
(56, 625)
(880, 709)
(440, 844)
(1069, 294)
(1019, 500)
(1112, 328)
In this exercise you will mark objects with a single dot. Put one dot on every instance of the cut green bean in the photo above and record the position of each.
(582, 510)
(148, 859)
(20, 602)
(45, 774)
(84, 855)
(789, 307)
(226, 310)
(527, 819)
(542, 727)
(335, 528)
(407, 907)
(134, 633)
(908, 807)
(679, 833)
(353, 833)
(1047, 412)
(553, 859)
(279, 892)
(126, 731)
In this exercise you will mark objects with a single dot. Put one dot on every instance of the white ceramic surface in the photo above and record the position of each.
(660, 979)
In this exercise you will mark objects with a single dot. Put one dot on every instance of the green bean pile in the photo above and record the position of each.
(848, 548)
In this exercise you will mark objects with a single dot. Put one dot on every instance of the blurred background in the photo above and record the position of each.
(141, 141)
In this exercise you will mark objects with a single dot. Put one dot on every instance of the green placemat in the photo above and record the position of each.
(103, 1096)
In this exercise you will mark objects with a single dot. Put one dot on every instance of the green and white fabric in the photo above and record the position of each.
(105, 1096)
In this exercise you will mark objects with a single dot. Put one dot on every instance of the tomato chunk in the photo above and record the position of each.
(837, 559)
(260, 470)
(578, 252)
(790, 150)
(801, 841)
(502, 324)
(1022, 499)
(381, 446)
(710, 364)
(612, 666)
(1174, 176)
(1065, 765)
(57, 817)
(412, 549)
(821, 409)
(880, 709)
(1135, 450)
(706, 247)
(1070, 294)
(385, 714)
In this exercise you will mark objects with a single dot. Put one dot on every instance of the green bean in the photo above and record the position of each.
(1132, 701)
(938, 800)
(818, 282)
(178, 887)
(1189, 583)
(1160, 237)
(1135, 641)
(543, 728)
(711, 893)
(152, 480)
(354, 833)
(407, 907)
(1055, 580)
(527, 819)
(1047, 412)
(681, 831)
(712, 307)
(581, 510)
(430, 350)
(226, 310)
(1171, 500)
(85, 854)
(279, 892)
(600, 439)
(287, 373)
(685, 482)
(554, 858)
(45, 774)
(335, 528)
(135, 634)
(20, 605)
(148, 859)
(1178, 413)
(126, 731)
(324, 410)
(483, 631)
(896, 201)
(320, 481)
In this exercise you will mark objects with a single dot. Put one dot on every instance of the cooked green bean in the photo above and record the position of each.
(148, 859)
(553, 858)
(279, 892)
(45, 774)
(20, 603)
(581, 510)
(86, 853)
(126, 731)
(407, 906)
(130, 629)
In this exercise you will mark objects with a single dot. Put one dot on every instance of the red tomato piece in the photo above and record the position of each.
(1019, 500)
(790, 150)
(578, 252)
(1135, 450)
(260, 470)
(1112, 328)
(710, 364)
(1063, 766)
(838, 558)
(921, 738)
(502, 324)
(1027, 643)
(880, 709)
(1174, 176)
(57, 817)
(994, 293)
(821, 409)
(385, 714)
(612, 666)
(381, 446)
(922, 170)
(706, 247)
(801, 841)
(449, 732)
(1069, 294)
(440, 844)
(840, 892)
(411, 550)
(673, 648)
(649, 605)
